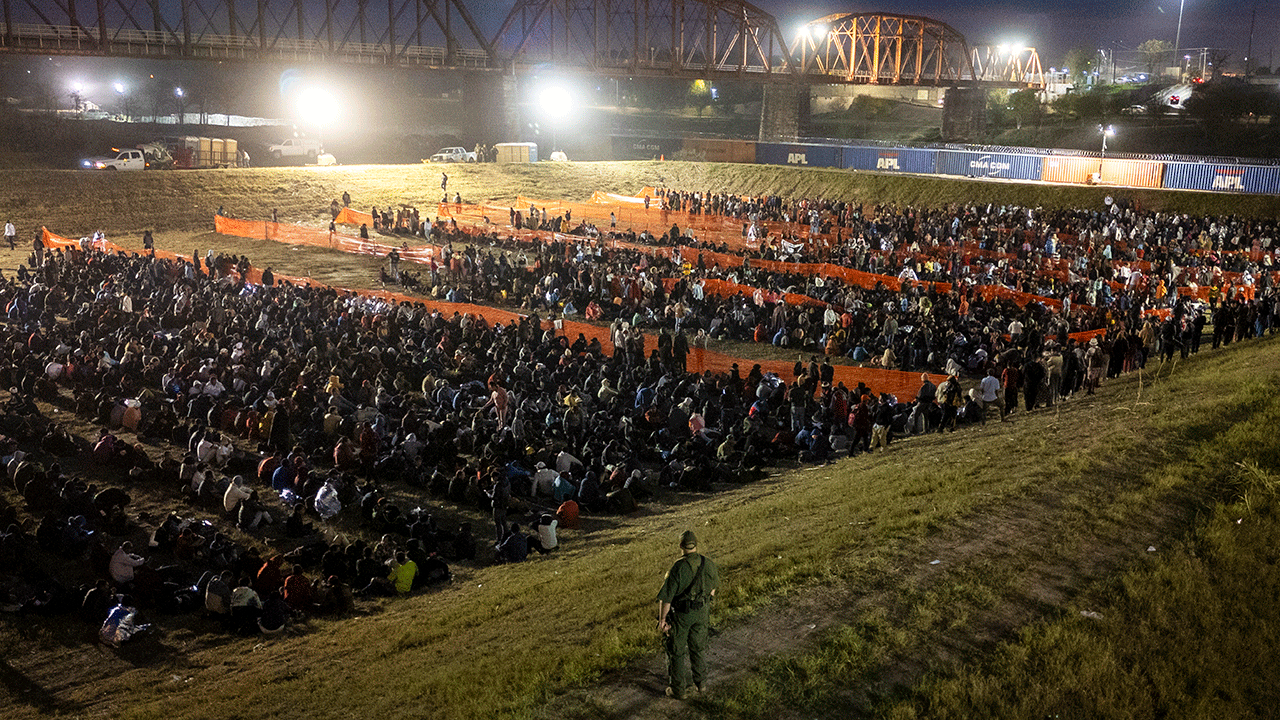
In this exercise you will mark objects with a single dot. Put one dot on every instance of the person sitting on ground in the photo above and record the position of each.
(545, 541)
(123, 563)
(275, 615)
(217, 596)
(515, 547)
(246, 607)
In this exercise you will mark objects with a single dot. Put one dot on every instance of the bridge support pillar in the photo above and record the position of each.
(784, 112)
(491, 108)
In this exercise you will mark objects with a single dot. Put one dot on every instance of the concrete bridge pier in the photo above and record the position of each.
(490, 107)
(784, 113)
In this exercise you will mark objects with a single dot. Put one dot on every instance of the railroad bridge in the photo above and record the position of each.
(678, 39)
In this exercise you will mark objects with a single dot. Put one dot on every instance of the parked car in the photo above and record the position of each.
(123, 160)
(453, 154)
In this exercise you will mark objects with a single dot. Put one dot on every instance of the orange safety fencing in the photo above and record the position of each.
(347, 216)
(299, 235)
(903, 384)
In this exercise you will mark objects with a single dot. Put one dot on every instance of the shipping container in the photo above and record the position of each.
(1111, 171)
(643, 148)
(512, 153)
(1070, 169)
(728, 151)
(990, 165)
(802, 155)
(1253, 179)
(908, 160)
(1132, 173)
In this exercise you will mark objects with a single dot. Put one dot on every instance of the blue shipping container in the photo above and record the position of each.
(907, 160)
(639, 148)
(803, 155)
(1254, 179)
(990, 165)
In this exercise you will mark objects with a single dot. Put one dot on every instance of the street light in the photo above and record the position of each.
(1105, 131)
(77, 96)
(1177, 40)
(124, 96)
(182, 107)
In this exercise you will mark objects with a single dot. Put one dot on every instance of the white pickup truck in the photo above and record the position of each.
(124, 160)
(295, 147)
(453, 154)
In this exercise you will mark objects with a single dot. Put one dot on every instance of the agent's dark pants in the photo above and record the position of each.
(686, 645)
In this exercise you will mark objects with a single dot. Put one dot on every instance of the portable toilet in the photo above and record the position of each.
(509, 153)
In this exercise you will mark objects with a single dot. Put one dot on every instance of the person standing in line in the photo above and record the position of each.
(684, 613)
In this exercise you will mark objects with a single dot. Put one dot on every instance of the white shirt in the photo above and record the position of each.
(122, 565)
(547, 535)
(10, 230)
(990, 388)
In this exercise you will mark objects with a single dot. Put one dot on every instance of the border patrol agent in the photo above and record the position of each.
(684, 611)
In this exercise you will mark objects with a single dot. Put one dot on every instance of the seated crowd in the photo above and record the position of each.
(300, 411)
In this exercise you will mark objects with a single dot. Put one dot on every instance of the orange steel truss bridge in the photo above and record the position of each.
(708, 39)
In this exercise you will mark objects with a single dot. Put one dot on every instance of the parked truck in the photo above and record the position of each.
(296, 147)
(128, 159)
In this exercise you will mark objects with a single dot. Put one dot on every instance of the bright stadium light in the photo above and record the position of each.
(315, 105)
(554, 102)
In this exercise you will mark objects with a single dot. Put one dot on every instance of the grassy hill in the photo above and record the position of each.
(74, 203)
(832, 602)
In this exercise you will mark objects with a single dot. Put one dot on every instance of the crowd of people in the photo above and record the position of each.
(286, 412)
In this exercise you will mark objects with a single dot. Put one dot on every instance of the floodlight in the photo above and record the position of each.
(315, 105)
(178, 91)
(554, 102)
(119, 87)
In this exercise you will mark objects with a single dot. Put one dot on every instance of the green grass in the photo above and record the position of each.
(1185, 631)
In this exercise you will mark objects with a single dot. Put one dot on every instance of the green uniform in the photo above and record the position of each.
(689, 618)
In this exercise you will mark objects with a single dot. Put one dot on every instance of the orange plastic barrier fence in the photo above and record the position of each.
(347, 216)
(298, 235)
(903, 384)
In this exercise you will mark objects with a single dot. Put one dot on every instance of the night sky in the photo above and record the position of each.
(1056, 27)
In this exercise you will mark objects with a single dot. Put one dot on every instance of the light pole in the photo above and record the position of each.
(182, 107)
(1177, 39)
(1105, 131)
(77, 97)
(122, 91)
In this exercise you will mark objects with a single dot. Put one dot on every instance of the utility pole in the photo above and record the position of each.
(1248, 55)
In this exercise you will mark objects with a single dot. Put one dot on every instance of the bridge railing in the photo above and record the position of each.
(72, 39)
